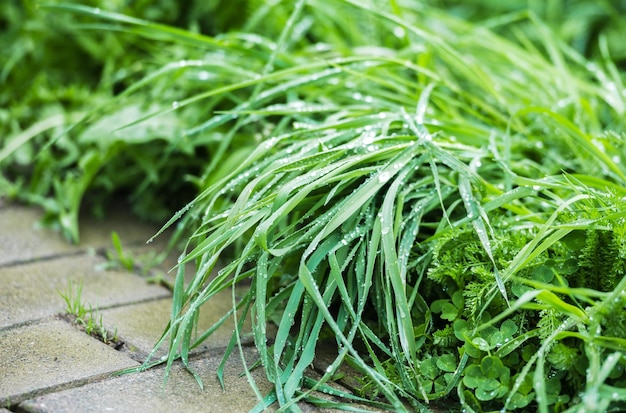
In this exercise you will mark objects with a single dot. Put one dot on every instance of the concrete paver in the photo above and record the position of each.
(32, 291)
(35, 242)
(145, 391)
(142, 324)
(40, 357)
(32, 241)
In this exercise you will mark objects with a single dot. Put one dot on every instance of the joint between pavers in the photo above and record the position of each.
(27, 323)
(45, 258)
(165, 294)
(14, 401)
(89, 251)
(196, 355)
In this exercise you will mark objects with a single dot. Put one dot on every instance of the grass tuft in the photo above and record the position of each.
(436, 193)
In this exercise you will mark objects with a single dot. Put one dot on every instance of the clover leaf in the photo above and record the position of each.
(490, 379)
(524, 394)
(436, 372)
(448, 308)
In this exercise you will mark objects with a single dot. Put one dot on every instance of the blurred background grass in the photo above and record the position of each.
(58, 67)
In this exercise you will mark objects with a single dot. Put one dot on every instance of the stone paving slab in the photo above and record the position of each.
(145, 392)
(35, 242)
(141, 325)
(41, 357)
(31, 291)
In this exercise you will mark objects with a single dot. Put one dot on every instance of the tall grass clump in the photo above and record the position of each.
(442, 202)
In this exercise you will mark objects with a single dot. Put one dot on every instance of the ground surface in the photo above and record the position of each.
(47, 364)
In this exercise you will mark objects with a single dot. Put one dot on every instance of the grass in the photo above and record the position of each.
(88, 319)
(441, 198)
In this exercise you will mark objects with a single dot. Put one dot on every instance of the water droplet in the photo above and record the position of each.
(175, 104)
(384, 176)
(598, 144)
(368, 137)
(399, 31)
(96, 11)
(204, 75)
(384, 230)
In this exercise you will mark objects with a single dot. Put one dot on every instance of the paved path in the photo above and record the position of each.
(47, 364)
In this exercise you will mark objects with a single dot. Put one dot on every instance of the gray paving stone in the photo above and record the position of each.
(144, 392)
(42, 357)
(23, 239)
(31, 291)
(141, 325)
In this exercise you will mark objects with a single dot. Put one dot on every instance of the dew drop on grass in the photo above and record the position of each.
(175, 104)
(269, 143)
(368, 137)
(384, 230)
(96, 11)
(384, 176)
(398, 31)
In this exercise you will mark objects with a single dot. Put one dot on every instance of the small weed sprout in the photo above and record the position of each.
(72, 300)
(125, 260)
(87, 318)
(138, 263)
